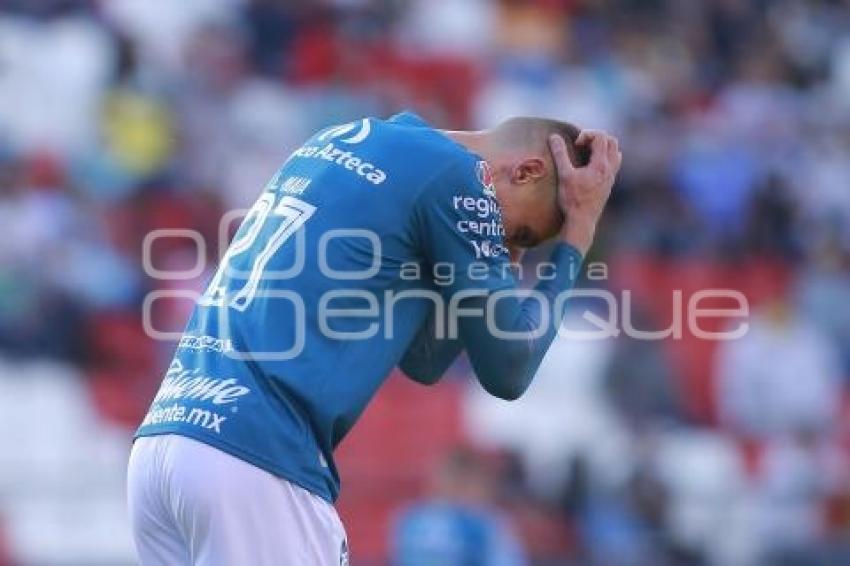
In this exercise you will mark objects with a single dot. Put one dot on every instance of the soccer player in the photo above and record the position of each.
(371, 239)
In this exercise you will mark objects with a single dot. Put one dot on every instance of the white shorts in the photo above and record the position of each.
(191, 503)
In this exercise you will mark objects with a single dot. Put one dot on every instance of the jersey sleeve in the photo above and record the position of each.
(458, 224)
(427, 357)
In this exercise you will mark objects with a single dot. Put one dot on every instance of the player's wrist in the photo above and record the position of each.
(578, 231)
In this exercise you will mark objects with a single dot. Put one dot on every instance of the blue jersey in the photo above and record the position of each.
(327, 281)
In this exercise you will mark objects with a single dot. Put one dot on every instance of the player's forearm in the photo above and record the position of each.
(578, 230)
(427, 358)
(505, 367)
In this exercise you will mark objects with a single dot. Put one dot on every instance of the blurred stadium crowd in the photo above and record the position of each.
(118, 117)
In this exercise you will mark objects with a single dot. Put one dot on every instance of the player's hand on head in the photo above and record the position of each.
(584, 191)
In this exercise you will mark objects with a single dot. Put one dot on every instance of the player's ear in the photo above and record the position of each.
(529, 170)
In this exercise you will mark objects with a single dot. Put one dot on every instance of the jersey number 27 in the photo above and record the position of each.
(288, 215)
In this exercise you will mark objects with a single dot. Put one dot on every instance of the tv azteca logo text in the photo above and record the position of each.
(603, 313)
(344, 158)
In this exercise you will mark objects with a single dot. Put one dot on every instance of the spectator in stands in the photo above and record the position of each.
(781, 378)
(457, 525)
(639, 381)
(823, 288)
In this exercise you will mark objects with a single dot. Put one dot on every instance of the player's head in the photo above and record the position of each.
(525, 177)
